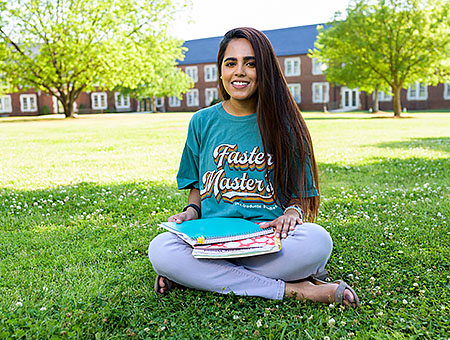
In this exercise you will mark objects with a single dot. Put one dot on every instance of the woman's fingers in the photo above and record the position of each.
(282, 225)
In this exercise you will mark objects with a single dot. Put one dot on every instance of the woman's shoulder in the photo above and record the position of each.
(209, 112)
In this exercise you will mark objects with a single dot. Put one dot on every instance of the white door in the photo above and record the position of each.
(350, 98)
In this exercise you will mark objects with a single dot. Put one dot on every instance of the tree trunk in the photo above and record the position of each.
(397, 101)
(376, 105)
(154, 105)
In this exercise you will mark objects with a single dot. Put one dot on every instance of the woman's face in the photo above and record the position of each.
(239, 70)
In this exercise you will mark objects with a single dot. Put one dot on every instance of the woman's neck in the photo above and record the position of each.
(240, 107)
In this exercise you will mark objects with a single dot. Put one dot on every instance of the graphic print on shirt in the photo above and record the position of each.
(241, 187)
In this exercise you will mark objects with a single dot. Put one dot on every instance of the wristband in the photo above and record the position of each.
(196, 208)
(296, 208)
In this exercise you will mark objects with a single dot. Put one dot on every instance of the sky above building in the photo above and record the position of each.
(210, 18)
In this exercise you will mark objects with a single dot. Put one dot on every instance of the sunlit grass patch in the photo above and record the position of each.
(80, 201)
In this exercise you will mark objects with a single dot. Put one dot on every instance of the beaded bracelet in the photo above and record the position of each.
(296, 208)
(196, 208)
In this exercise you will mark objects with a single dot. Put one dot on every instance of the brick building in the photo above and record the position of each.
(304, 75)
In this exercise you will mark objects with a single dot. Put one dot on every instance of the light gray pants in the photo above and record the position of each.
(304, 252)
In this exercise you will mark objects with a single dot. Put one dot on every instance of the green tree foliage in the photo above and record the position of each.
(387, 44)
(65, 47)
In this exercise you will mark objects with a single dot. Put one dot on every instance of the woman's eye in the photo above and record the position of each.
(230, 64)
(251, 64)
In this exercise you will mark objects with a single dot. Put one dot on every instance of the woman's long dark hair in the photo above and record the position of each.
(283, 131)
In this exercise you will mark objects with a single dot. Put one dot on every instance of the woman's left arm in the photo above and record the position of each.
(286, 222)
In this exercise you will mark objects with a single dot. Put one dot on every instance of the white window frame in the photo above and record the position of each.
(99, 105)
(30, 104)
(192, 97)
(323, 92)
(447, 91)
(174, 101)
(122, 101)
(210, 72)
(192, 71)
(383, 96)
(294, 88)
(211, 94)
(414, 91)
(5, 104)
(290, 67)
(317, 67)
(159, 102)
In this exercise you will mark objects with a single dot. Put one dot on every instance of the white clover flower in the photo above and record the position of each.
(405, 302)
(19, 304)
(235, 317)
(331, 322)
(326, 337)
(415, 284)
(258, 323)
(43, 309)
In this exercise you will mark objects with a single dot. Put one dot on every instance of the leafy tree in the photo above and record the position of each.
(387, 44)
(66, 47)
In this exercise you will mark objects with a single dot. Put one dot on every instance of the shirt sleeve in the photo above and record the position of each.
(188, 172)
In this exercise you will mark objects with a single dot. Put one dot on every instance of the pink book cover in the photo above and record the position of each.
(264, 241)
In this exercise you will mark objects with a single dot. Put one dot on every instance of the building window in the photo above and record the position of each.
(447, 91)
(99, 101)
(383, 96)
(292, 67)
(210, 95)
(28, 103)
(210, 73)
(417, 91)
(122, 100)
(295, 91)
(5, 104)
(192, 97)
(192, 71)
(320, 92)
(317, 67)
(174, 101)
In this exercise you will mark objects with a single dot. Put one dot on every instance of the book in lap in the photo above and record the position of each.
(259, 245)
(222, 235)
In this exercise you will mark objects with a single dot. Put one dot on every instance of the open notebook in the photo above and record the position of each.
(225, 237)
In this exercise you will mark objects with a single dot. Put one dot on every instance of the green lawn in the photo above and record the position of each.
(80, 200)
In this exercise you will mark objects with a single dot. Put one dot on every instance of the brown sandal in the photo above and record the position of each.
(168, 285)
(339, 294)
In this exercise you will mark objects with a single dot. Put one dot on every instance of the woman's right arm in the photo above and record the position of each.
(190, 213)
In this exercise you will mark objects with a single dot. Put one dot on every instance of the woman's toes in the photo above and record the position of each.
(349, 299)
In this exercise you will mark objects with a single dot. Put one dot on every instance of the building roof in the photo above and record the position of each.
(285, 41)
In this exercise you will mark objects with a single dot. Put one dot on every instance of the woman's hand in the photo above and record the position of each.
(283, 224)
(189, 214)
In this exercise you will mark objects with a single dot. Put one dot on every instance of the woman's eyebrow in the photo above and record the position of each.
(234, 59)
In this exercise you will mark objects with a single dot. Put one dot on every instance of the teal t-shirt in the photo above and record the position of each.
(223, 157)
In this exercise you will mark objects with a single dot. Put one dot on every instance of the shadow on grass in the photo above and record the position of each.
(432, 143)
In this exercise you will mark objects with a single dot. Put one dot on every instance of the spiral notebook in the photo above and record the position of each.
(215, 230)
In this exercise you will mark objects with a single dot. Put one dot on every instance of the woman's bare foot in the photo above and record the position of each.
(318, 292)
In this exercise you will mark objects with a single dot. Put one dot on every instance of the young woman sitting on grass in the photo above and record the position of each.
(226, 144)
